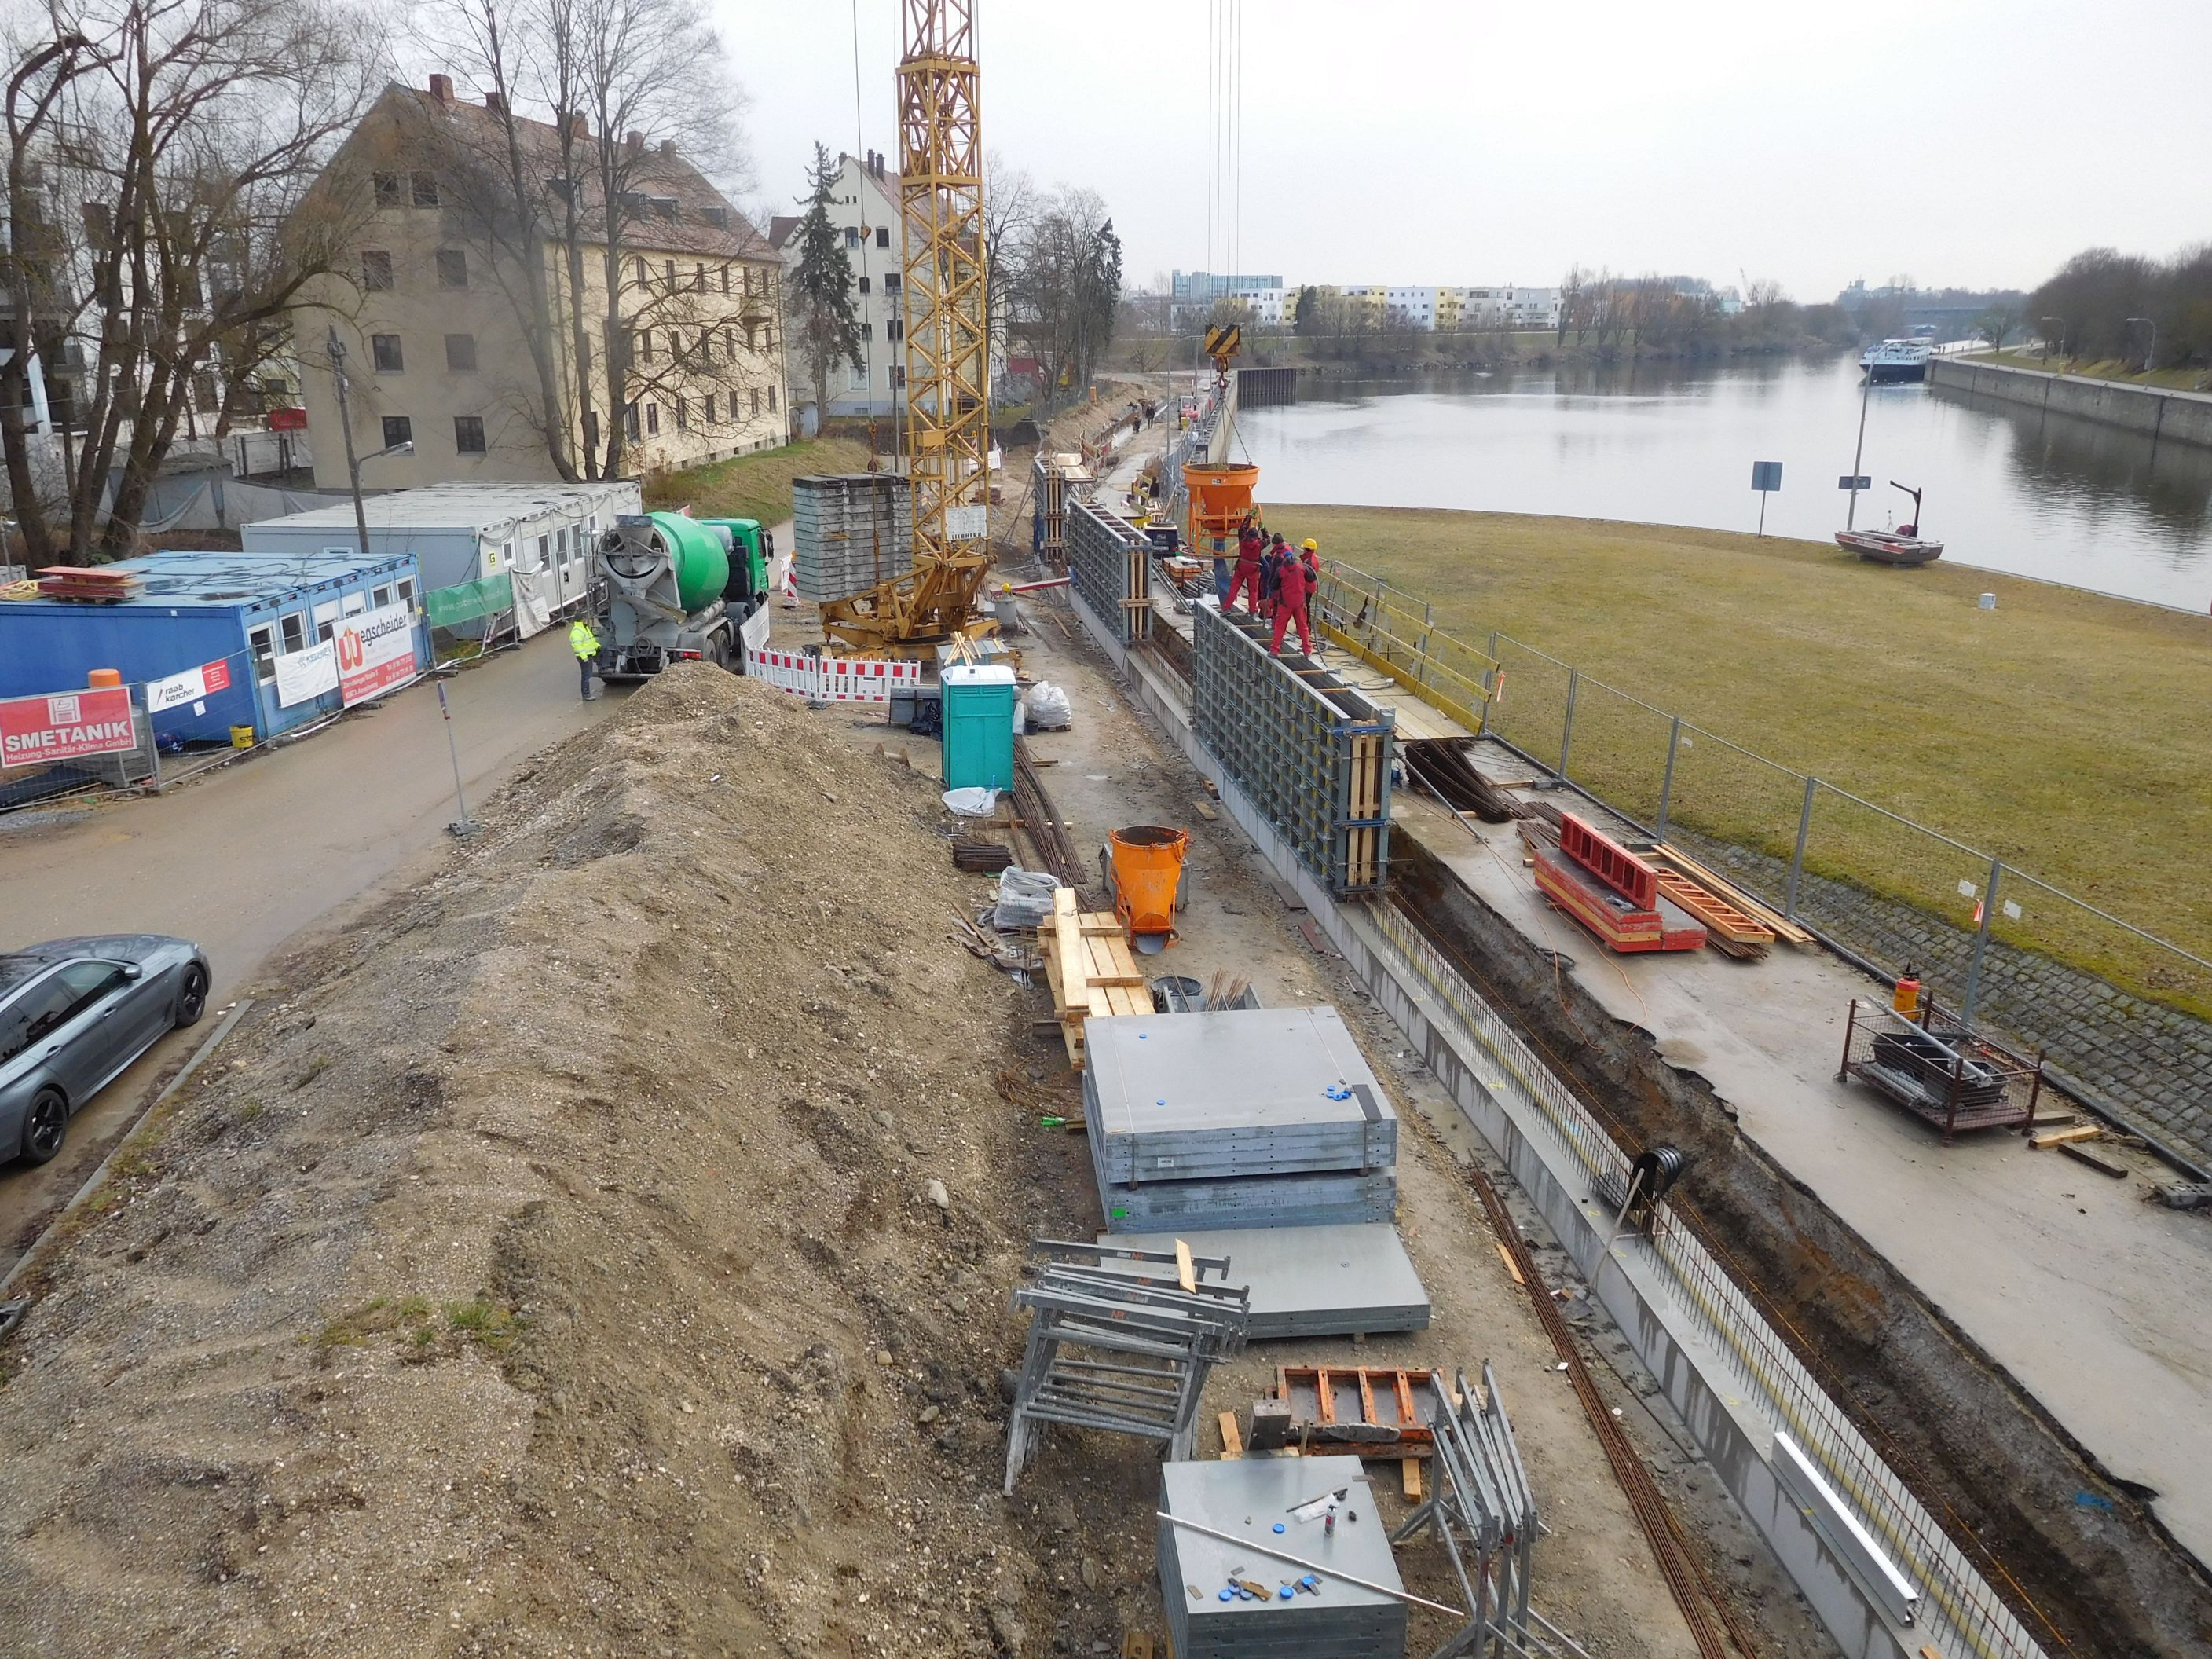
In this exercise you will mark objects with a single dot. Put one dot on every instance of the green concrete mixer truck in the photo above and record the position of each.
(672, 588)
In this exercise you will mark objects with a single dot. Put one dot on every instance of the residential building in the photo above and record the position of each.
(1191, 294)
(864, 205)
(437, 315)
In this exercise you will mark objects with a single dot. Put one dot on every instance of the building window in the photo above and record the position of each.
(265, 654)
(405, 592)
(592, 431)
(771, 400)
(629, 419)
(461, 354)
(380, 596)
(425, 187)
(653, 420)
(388, 190)
(640, 271)
(705, 346)
(852, 236)
(898, 377)
(756, 400)
(864, 285)
(682, 414)
(385, 349)
(668, 269)
(867, 330)
(645, 345)
(891, 282)
(733, 344)
(710, 408)
(468, 433)
(295, 633)
(452, 268)
(895, 329)
(883, 236)
(398, 430)
(375, 269)
(725, 279)
(752, 333)
(699, 279)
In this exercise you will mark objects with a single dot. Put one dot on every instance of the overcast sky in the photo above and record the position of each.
(1975, 143)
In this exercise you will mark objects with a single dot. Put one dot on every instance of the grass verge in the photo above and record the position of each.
(752, 486)
(2122, 373)
(2062, 731)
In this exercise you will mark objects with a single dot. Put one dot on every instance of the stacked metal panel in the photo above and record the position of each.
(850, 531)
(1118, 1346)
(1310, 1281)
(1229, 1600)
(1308, 751)
(1237, 1118)
(1107, 561)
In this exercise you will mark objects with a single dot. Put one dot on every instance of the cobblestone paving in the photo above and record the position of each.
(2151, 1064)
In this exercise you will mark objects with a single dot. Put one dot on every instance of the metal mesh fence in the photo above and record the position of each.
(1961, 1611)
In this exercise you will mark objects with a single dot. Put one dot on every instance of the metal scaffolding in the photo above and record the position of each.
(1311, 753)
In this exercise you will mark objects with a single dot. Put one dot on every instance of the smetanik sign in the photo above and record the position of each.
(375, 653)
(35, 731)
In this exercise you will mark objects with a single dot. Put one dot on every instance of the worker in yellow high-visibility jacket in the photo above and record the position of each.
(585, 644)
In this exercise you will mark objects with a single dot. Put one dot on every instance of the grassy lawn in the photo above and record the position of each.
(753, 486)
(2064, 731)
(2108, 369)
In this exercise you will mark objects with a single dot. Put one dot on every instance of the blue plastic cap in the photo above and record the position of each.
(1285, 1592)
(1229, 1596)
(1280, 1526)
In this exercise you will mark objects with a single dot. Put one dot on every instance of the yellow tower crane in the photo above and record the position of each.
(948, 408)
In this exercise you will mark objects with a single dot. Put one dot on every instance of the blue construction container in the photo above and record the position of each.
(247, 610)
(979, 727)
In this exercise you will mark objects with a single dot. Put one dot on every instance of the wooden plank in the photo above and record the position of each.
(1138, 1645)
(1409, 1471)
(1717, 914)
(1512, 1267)
(2064, 1137)
(1186, 1274)
(1205, 810)
(1233, 1443)
(2103, 1166)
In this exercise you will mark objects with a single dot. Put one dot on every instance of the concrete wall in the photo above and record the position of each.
(2169, 417)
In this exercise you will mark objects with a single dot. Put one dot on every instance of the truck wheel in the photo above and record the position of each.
(718, 652)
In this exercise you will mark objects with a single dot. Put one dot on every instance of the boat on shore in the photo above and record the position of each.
(1888, 547)
(1894, 361)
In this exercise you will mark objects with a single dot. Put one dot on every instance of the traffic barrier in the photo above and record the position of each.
(831, 679)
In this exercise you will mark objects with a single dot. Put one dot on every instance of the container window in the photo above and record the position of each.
(326, 617)
(354, 603)
(294, 633)
(380, 596)
(262, 643)
(544, 551)
(406, 591)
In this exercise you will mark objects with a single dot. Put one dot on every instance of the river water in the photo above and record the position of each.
(2008, 489)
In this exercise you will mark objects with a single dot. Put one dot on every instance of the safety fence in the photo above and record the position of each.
(831, 679)
(1388, 628)
(1957, 1611)
(1311, 754)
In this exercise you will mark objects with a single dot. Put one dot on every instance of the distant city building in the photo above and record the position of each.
(1191, 294)
(1952, 311)
(1424, 307)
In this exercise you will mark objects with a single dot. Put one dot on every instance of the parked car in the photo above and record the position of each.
(73, 1014)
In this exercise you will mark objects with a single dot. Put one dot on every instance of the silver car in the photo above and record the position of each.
(73, 1014)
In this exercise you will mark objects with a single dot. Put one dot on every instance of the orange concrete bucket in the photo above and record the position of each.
(1220, 496)
(1147, 870)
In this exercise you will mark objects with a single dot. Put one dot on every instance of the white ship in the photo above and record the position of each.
(1896, 360)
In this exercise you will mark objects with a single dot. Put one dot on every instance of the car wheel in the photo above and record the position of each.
(45, 1127)
(192, 997)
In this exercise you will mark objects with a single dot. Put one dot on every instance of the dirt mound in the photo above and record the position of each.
(551, 1265)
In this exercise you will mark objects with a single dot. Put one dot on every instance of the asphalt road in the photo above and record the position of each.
(246, 857)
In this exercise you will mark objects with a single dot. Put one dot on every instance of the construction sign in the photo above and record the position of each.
(375, 653)
(34, 731)
(191, 686)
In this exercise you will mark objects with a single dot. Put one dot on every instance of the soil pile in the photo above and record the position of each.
(553, 1264)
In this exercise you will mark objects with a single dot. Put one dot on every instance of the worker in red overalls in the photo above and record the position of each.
(1295, 586)
(1247, 579)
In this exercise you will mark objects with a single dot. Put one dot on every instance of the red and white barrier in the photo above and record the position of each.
(832, 679)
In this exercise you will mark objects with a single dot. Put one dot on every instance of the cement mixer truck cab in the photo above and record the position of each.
(672, 588)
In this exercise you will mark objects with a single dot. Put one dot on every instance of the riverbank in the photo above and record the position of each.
(2156, 412)
(2063, 730)
(2112, 370)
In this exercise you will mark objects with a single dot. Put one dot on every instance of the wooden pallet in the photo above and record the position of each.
(1088, 966)
(1377, 1411)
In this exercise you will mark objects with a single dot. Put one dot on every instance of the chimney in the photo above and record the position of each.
(633, 142)
(668, 148)
(579, 124)
(495, 103)
(442, 88)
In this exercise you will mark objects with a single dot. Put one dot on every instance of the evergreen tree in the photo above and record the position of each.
(821, 288)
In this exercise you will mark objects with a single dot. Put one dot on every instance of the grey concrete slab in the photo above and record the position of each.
(1311, 1281)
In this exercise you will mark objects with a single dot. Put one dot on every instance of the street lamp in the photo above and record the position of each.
(405, 447)
(2150, 323)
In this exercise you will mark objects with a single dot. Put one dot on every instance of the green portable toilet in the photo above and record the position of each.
(979, 727)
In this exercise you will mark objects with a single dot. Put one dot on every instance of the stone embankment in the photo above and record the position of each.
(2158, 415)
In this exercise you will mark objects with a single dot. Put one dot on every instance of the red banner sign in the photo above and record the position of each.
(288, 420)
(66, 725)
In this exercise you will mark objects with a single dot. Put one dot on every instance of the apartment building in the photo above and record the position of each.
(437, 314)
(864, 205)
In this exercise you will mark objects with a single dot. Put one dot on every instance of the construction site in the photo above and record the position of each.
(1024, 1116)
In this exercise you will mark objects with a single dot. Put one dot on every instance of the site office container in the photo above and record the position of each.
(245, 609)
(540, 535)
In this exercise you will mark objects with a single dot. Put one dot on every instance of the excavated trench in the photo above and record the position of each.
(2078, 1554)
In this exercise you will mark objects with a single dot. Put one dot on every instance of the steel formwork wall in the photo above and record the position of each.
(1110, 563)
(1312, 755)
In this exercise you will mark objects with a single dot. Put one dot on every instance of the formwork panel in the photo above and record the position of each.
(1308, 751)
(850, 531)
(1109, 561)
(1310, 1281)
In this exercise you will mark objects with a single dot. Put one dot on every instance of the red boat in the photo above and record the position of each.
(1903, 546)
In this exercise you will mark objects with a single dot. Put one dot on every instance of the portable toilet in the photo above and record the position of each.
(979, 727)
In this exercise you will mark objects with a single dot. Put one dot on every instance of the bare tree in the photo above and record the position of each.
(1066, 286)
(1997, 324)
(1010, 210)
(168, 158)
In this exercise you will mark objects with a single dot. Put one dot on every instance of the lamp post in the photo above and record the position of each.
(2151, 323)
(406, 447)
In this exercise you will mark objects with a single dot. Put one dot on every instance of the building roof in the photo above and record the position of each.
(660, 172)
(458, 504)
(223, 579)
(780, 226)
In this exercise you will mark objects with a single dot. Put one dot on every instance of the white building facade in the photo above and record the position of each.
(864, 205)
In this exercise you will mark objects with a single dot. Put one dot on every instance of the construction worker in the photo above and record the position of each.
(1247, 579)
(585, 644)
(1296, 580)
(1271, 574)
